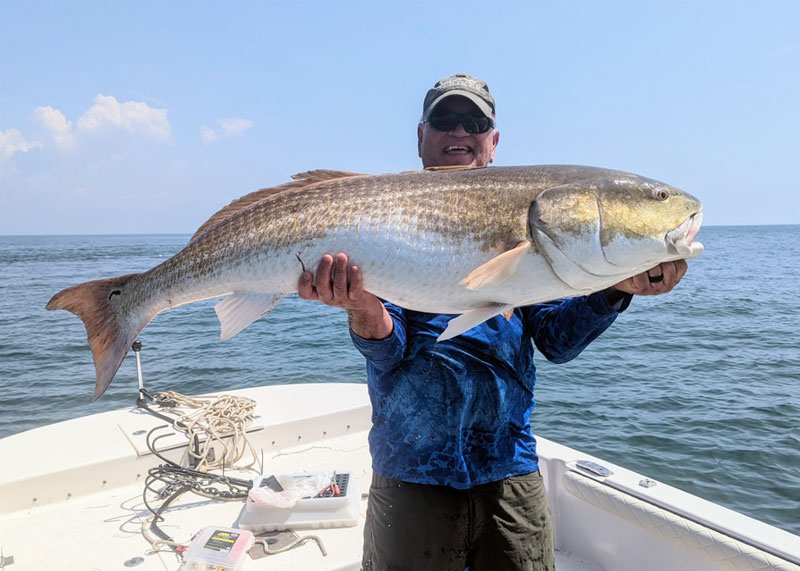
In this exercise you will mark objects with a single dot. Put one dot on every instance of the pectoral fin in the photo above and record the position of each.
(497, 269)
(470, 319)
(242, 308)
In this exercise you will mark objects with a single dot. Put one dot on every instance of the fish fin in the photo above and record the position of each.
(454, 168)
(497, 269)
(508, 313)
(101, 306)
(470, 319)
(242, 308)
(300, 180)
(321, 175)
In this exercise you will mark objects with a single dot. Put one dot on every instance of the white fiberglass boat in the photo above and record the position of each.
(71, 497)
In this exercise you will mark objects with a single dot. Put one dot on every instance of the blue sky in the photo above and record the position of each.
(123, 117)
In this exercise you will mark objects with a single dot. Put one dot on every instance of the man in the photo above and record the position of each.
(456, 482)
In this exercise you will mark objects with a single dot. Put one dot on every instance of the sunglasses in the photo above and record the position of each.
(472, 124)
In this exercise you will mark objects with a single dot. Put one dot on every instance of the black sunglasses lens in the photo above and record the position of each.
(475, 125)
(472, 125)
(444, 122)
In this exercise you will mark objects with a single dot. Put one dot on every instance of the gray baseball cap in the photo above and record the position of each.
(459, 84)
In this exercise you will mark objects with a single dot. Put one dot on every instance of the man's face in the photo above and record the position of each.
(457, 147)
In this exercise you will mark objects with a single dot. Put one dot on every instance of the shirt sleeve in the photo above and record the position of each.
(385, 354)
(562, 329)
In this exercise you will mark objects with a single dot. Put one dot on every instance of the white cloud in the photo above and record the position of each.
(131, 116)
(228, 128)
(12, 142)
(57, 126)
(208, 135)
(234, 127)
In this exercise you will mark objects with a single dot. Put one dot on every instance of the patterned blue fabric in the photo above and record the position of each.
(457, 413)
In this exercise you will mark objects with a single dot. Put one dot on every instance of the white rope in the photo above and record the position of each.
(216, 419)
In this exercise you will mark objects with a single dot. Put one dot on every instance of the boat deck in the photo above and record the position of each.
(72, 497)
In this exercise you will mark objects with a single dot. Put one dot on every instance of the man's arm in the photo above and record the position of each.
(562, 329)
(366, 314)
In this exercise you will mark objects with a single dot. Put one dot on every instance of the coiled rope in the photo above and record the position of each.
(220, 419)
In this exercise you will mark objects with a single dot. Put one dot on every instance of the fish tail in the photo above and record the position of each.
(111, 319)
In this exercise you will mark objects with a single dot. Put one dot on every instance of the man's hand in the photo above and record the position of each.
(655, 281)
(334, 285)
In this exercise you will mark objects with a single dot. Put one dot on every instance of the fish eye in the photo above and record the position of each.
(662, 194)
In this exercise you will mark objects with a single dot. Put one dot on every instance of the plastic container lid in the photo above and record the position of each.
(219, 547)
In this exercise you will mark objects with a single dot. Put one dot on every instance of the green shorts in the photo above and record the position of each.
(501, 525)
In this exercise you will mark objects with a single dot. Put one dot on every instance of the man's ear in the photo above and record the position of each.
(495, 140)
(419, 140)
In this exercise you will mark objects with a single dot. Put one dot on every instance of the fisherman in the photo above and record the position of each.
(456, 481)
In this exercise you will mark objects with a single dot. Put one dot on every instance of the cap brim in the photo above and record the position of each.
(485, 108)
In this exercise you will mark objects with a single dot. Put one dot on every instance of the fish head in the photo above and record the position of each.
(646, 222)
(600, 231)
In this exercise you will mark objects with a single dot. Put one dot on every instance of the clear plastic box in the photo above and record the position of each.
(218, 548)
(308, 513)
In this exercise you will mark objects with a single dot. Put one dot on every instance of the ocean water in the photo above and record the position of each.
(699, 389)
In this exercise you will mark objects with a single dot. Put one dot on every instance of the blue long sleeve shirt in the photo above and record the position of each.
(457, 412)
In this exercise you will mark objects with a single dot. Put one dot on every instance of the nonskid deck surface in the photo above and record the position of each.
(74, 498)
(84, 493)
(104, 530)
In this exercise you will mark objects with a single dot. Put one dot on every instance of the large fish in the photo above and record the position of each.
(475, 242)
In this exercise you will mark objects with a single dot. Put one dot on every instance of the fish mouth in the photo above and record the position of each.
(681, 241)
